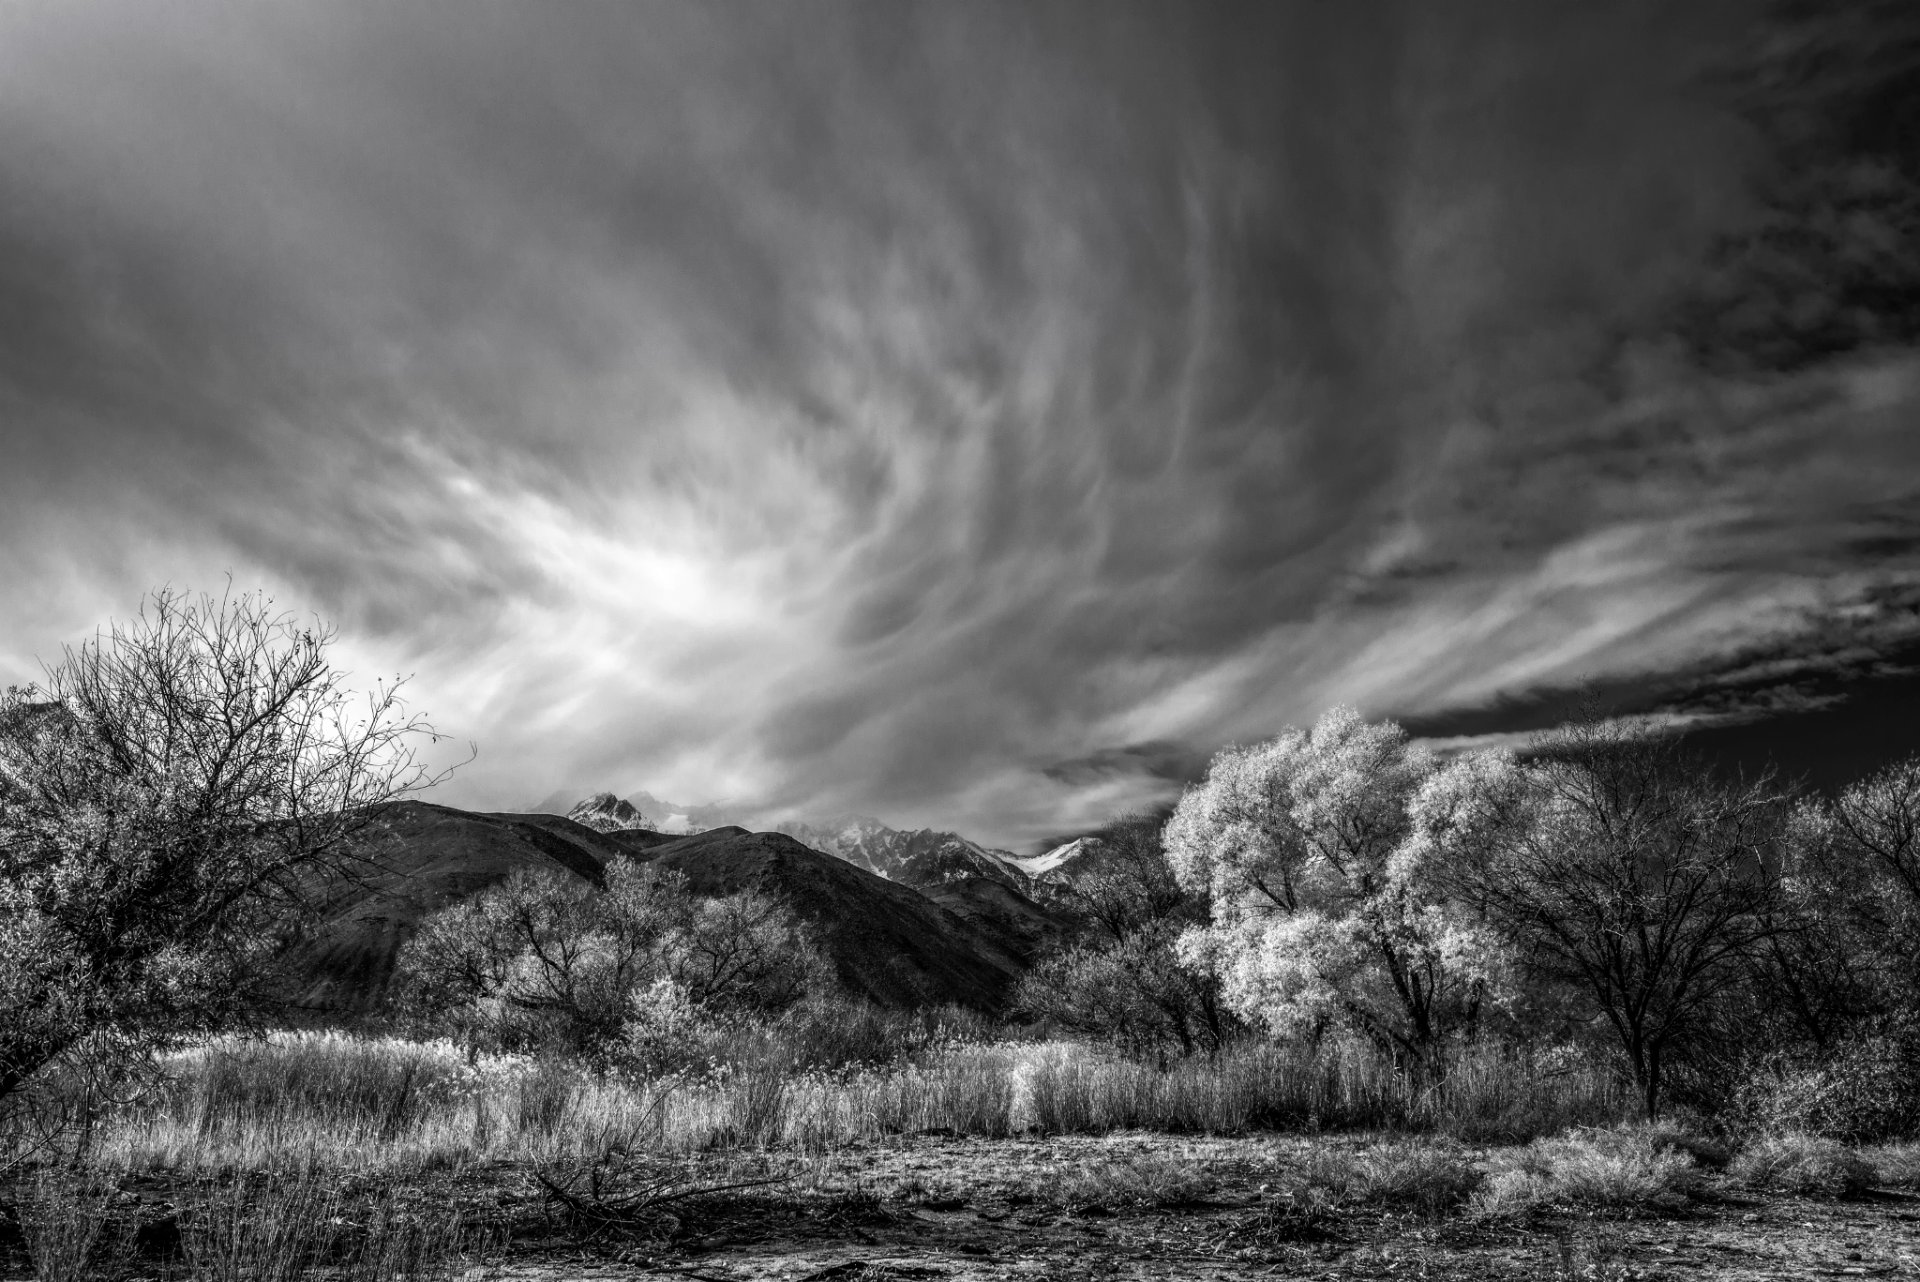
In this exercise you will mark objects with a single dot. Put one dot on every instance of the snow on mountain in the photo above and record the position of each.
(919, 857)
(1051, 863)
(606, 813)
(914, 857)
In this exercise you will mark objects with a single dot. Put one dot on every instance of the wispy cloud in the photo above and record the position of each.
(969, 413)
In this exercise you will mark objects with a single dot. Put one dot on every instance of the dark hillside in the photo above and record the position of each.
(593, 841)
(1018, 924)
(422, 857)
(640, 842)
(889, 942)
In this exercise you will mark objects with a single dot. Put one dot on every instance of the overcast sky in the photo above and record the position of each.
(970, 414)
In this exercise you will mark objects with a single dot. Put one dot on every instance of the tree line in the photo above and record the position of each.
(1602, 887)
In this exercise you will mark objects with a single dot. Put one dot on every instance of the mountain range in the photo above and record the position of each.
(918, 857)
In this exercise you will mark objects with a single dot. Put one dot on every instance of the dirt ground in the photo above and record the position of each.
(1120, 1207)
(969, 1209)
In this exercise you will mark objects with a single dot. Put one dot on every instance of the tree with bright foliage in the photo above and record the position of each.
(1322, 915)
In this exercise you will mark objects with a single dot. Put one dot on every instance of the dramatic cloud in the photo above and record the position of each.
(968, 413)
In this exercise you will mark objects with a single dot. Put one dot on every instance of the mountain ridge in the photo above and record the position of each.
(915, 857)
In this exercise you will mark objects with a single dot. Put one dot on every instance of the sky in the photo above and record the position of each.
(973, 415)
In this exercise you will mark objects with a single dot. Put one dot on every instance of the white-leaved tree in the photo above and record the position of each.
(1322, 914)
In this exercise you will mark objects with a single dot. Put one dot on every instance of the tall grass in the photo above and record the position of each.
(382, 1103)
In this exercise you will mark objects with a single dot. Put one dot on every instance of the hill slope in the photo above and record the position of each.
(888, 941)
(422, 857)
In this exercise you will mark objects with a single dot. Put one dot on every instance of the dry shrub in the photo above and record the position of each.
(400, 1106)
(1807, 1165)
(1427, 1178)
(757, 1107)
(1341, 1085)
(1894, 1165)
(1865, 1090)
(1626, 1169)
(1143, 1179)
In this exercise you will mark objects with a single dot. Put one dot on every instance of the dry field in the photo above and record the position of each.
(329, 1157)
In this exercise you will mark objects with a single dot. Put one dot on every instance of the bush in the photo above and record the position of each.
(1807, 1165)
(1427, 1178)
(1863, 1091)
(1894, 1165)
(641, 970)
(1145, 1179)
(1625, 1168)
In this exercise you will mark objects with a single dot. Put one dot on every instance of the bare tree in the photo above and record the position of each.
(1848, 958)
(546, 960)
(1620, 868)
(180, 784)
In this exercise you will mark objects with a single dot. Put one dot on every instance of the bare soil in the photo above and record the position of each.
(927, 1207)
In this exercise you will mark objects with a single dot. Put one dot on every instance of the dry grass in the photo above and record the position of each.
(398, 1106)
(1895, 1166)
(283, 1227)
(273, 1227)
(1623, 1169)
(1135, 1180)
(1803, 1165)
(64, 1216)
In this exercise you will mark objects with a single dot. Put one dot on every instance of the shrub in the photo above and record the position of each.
(544, 962)
(1865, 1090)
(1894, 1165)
(1807, 1165)
(1626, 1168)
(1428, 1178)
(1144, 1179)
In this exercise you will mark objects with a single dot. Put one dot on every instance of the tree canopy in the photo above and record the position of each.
(179, 785)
